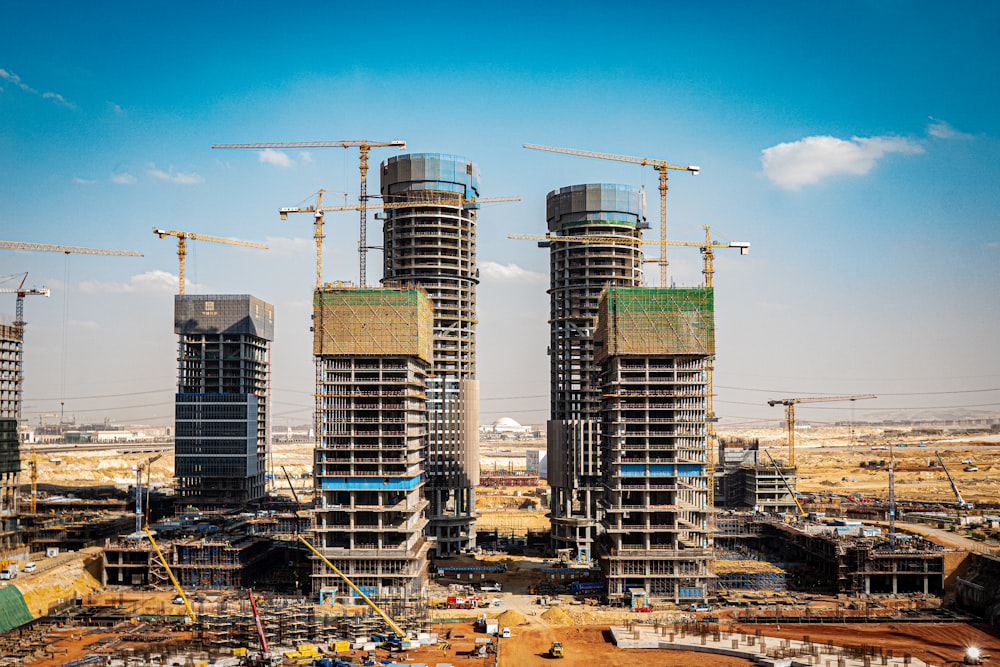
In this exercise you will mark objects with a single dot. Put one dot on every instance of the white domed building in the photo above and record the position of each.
(505, 427)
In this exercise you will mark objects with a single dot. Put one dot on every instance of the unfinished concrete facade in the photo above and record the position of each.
(653, 346)
(11, 379)
(579, 271)
(429, 236)
(373, 349)
(221, 408)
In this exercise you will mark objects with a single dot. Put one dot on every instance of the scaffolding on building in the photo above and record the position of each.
(647, 321)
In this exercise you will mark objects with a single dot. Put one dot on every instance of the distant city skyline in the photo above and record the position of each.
(858, 160)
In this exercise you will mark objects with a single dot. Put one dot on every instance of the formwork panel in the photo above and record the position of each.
(645, 320)
(374, 322)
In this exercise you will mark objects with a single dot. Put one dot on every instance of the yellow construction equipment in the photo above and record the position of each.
(790, 403)
(399, 632)
(363, 146)
(440, 199)
(802, 513)
(138, 491)
(33, 465)
(661, 166)
(707, 247)
(182, 238)
(66, 249)
(191, 616)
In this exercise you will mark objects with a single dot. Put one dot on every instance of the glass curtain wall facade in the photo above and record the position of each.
(221, 406)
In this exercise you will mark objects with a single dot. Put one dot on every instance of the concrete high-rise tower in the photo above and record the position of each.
(431, 242)
(652, 346)
(220, 442)
(578, 274)
(11, 378)
(372, 349)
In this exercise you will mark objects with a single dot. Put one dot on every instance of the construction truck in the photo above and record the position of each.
(556, 650)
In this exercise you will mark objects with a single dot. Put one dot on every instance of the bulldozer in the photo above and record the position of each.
(556, 650)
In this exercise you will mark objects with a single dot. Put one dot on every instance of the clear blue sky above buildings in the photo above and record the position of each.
(855, 145)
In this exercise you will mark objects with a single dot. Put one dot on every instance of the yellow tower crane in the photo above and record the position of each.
(440, 199)
(707, 247)
(363, 146)
(790, 404)
(66, 249)
(182, 238)
(661, 166)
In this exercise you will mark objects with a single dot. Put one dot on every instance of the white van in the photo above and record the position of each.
(29, 568)
(505, 633)
(8, 572)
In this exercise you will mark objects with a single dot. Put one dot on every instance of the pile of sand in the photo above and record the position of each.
(556, 616)
(510, 618)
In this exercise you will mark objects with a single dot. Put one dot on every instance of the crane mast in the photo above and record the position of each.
(661, 166)
(363, 146)
(790, 403)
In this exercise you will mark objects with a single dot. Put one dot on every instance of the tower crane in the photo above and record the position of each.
(661, 166)
(707, 247)
(790, 403)
(318, 210)
(21, 293)
(182, 238)
(66, 249)
(363, 146)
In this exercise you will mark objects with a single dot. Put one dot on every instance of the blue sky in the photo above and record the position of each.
(853, 144)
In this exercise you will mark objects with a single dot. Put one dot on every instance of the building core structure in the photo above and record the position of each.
(579, 271)
(221, 411)
(653, 347)
(429, 233)
(373, 349)
(11, 380)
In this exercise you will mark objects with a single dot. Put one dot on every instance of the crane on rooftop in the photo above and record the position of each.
(182, 238)
(363, 146)
(790, 404)
(441, 199)
(21, 292)
(707, 247)
(661, 166)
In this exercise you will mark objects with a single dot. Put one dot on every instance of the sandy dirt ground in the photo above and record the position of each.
(829, 459)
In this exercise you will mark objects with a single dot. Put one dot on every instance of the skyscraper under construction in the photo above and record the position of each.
(220, 445)
(429, 235)
(373, 348)
(579, 271)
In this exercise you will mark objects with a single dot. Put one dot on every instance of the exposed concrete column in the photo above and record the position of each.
(895, 583)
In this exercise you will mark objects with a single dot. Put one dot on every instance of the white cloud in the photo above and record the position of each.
(172, 176)
(7, 75)
(812, 159)
(115, 109)
(281, 246)
(277, 158)
(83, 181)
(509, 273)
(940, 129)
(151, 282)
(123, 178)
